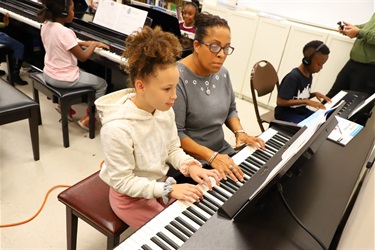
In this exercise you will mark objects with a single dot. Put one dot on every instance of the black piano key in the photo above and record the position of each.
(255, 159)
(273, 145)
(217, 195)
(177, 233)
(196, 213)
(226, 187)
(281, 138)
(212, 202)
(145, 247)
(192, 217)
(233, 183)
(249, 166)
(185, 224)
(220, 192)
(285, 136)
(253, 164)
(246, 170)
(160, 243)
(262, 155)
(204, 208)
(208, 204)
(229, 184)
(168, 240)
(182, 228)
(281, 143)
(277, 144)
(270, 148)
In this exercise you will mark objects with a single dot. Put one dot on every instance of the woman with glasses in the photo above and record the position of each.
(205, 99)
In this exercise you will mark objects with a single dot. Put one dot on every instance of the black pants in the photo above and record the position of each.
(355, 76)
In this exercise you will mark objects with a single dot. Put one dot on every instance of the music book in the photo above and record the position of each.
(119, 17)
(344, 131)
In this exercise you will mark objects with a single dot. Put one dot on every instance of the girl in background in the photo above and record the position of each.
(63, 51)
(188, 14)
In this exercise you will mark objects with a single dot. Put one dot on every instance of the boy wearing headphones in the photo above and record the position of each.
(294, 91)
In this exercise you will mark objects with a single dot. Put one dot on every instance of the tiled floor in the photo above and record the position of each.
(25, 182)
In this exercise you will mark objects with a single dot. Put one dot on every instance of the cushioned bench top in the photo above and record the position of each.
(13, 99)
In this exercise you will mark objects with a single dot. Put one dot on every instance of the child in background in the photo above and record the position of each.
(294, 91)
(188, 14)
(139, 134)
(18, 49)
(63, 50)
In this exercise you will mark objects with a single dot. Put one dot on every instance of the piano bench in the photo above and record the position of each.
(66, 98)
(89, 201)
(6, 53)
(16, 106)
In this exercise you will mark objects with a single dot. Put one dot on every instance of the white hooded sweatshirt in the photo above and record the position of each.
(137, 145)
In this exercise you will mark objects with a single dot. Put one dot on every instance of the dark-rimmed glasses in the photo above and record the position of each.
(215, 48)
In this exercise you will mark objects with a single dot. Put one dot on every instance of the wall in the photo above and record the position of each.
(325, 13)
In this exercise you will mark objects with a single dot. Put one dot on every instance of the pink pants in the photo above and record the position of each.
(135, 211)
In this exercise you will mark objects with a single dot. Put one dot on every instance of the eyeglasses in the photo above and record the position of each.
(214, 48)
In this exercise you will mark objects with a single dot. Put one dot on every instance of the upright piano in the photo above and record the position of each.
(25, 27)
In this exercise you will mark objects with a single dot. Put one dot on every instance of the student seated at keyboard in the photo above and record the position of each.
(139, 134)
(294, 91)
(18, 49)
(63, 51)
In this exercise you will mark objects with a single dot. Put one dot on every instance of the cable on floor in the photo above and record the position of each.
(280, 189)
(40, 209)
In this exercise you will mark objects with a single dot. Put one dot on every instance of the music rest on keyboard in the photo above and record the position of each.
(179, 221)
(352, 100)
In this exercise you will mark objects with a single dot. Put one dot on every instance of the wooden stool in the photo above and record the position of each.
(15, 106)
(89, 201)
(66, 98)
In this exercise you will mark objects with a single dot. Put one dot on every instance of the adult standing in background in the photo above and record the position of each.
(358, 74)
(205, 99)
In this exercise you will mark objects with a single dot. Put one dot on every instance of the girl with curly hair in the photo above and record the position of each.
(139, 134)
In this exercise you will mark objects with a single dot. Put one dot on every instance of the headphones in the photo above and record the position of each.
(307, 59)
(64, 12)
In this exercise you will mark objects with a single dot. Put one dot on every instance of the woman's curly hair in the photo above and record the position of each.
(149, 49)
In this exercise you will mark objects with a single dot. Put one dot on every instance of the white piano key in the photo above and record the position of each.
(178, 213)
(159, 226)
(225, 191)
(144, 236)
(21, 18)
(219, 202)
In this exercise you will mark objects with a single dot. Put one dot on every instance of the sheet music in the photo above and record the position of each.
(119, 17)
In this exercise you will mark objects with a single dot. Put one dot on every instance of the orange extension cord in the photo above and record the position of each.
(40, 209)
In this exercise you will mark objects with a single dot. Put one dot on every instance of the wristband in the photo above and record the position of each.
(167, 188)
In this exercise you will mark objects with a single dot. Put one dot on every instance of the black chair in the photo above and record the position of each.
(6, 53)
(16, 106)
(263, 80)
(66, 98)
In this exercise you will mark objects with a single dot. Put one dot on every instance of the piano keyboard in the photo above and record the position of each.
(20, 18)
(108, 54)
(105, 53)
(352, 100)
(179, 221)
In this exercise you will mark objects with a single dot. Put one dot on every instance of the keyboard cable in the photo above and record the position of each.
(41, 207)
(280, 190)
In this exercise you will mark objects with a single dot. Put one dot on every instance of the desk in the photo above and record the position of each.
(318, 196)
